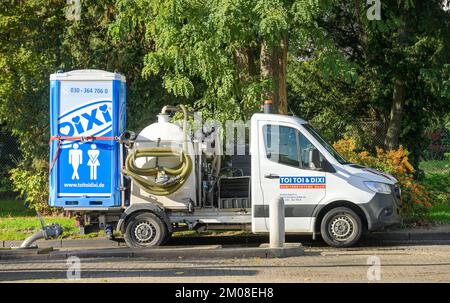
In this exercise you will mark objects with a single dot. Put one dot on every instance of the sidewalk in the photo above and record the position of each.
(192, 252)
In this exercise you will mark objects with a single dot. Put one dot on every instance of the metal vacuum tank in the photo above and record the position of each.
(163, 134)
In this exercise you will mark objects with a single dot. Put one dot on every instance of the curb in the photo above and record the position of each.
(407, 236)
(75, 243)
(385, 237)
(28, 253)
(178, 253)
(430, 236)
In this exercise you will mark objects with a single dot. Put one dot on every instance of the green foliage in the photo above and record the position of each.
(9, 156)
(15, 208)
(36, 39)
(195, 45)
(437, 182)
(105, 39)
(208, 52)
(28, 54)
(29, 51)
(358, 88)
(31, 181)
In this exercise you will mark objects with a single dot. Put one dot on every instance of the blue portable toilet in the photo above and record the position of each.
(87, 115)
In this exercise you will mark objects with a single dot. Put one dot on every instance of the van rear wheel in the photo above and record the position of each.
(145, 230)
(341, 227)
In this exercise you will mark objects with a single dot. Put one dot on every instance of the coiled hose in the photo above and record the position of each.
(178, 174)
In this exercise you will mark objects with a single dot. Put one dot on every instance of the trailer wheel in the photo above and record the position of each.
(341, 227)
(145, 230)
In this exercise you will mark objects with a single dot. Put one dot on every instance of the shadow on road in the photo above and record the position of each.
(306, 240)
(129, 273)
(208, 269)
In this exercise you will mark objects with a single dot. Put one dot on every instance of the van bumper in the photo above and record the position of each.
(381, 211)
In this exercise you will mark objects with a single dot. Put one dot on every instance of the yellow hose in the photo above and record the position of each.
(178, 175)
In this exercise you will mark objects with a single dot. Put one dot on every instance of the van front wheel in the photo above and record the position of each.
(341, 227)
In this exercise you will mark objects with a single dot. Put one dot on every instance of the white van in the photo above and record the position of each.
(323, 193)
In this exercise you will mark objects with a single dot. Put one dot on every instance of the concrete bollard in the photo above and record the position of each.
(276, 217)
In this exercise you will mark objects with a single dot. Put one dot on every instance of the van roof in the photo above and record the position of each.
(279, 118)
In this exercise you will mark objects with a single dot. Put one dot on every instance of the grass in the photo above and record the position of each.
(437, 182)
(10, 208)
(440, 213)
(436, 166)
(18, 222)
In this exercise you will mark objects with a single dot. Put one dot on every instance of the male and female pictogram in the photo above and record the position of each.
(76, 159)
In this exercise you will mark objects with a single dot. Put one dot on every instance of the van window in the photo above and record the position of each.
(308, 151)
(286, 145)
(325, 144)
(282, 144)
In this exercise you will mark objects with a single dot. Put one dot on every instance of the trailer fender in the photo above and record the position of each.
(142, 207)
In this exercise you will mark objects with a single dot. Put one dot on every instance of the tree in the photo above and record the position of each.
(30, 34)
(29, 52)
(386, 73)
(225, 55)
(36, 39)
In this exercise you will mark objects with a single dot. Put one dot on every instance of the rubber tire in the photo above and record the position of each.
(329, 239)
(158, 224)
(169, 235)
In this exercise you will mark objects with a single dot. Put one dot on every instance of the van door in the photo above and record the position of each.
(288, 169)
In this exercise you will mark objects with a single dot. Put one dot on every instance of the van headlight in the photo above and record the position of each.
(378, 187)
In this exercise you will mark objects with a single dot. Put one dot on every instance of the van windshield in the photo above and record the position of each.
(325, 144)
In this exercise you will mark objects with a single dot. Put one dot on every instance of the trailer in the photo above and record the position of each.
(167, 177)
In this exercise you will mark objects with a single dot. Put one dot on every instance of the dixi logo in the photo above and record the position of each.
(87, 120)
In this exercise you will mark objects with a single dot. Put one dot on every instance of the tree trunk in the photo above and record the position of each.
(246, 71)
(399, 95)
(273, 61)
(395, 118)
(282, 72)
(244, 64)
(267, 74)
(362, 35)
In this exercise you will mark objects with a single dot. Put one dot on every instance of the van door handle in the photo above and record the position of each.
(271, 176)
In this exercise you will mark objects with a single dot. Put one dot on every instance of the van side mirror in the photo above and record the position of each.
(315, 163)
(314, 159)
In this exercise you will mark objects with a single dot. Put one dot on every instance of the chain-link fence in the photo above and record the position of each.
(9, 158)
(369, 133)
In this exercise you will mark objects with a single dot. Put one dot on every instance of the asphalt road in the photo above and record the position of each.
(389, 263)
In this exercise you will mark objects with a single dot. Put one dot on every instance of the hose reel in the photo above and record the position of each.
(177, 176)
